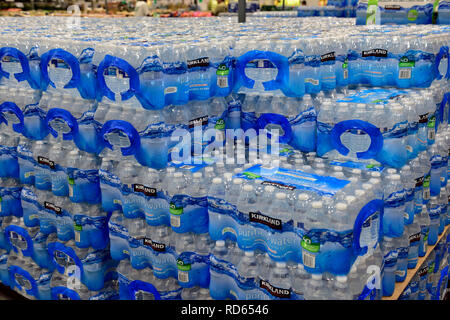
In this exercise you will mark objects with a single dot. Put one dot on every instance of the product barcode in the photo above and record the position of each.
(222, 82)
(405, 73)
(175, 221)
(77, 236)
(183, 276)
(309, 260)
(70, 190)
(426, 194)
(345, 73)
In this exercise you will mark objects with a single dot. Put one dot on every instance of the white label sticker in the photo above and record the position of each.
(222, 82)
(309, 260)
(175, 221)
(405, 73)
(77, 236)
(183, 276)
(169, 90)
(345, 73)
(70, 190)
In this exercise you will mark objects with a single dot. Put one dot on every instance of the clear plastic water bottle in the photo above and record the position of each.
(424, 223)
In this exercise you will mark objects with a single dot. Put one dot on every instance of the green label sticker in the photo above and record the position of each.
(1, 199)
(222, 70)
(173, 209)
(308, 245)
(372, 8)
(182, 266)
(426, 181)
(220, 124)
(406, 62)
(412, 14)
(345, 64)
(71, 181)
(431, 122)
(251, 175)
(425, 238)
(78, 227)
(431, 267)
(284, 150)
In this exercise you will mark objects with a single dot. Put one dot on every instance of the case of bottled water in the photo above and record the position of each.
(106, 192)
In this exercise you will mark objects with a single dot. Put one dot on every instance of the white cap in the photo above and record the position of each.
(339, 175)
(220, 164)
(320, 165)
(248, 187)
(170, 169)
(443, 189)
(303, 196)
(269, 188)
(316, 276)
(237, 170)
(249, 253)
(350, 198)
(228, 175)
(220, 243)
(316, 204)
(359, 192)
(177, 174)
(341, 279)
(406, 167)
(197, 175)
(395, 177)
(337, 168)
(216, 180)
(209, 169)
(237, 181)
(391, 170)
(376, 174)
(280, 264)
(341, 206)
(367, 186)
(320, 172)
(280, 196)
(356, 171)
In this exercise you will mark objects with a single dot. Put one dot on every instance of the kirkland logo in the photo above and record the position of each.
(200, 62)
(52, 207)
(328, 57)
(276, 292)
(375, 53)
(46, 162)
(200, 121)
(151, 192)
(278, 185)
(268, 221)
(160, 247)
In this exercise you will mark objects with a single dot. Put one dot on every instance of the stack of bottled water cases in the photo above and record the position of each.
(430, 282)
(87, 141)
(334, 8)
(402, 12)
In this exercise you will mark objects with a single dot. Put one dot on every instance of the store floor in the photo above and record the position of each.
(7, 294)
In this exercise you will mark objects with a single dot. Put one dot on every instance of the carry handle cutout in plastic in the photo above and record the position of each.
(12, 107)
(57, 246)
(110, 61)
(68, 58)
(128, 129)
(24, 234)
(277, 119)
(443, 52)
(282, 79)
(67, 117)
(138, 285)
(376, 138)
(13, 52)
(369, 209)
